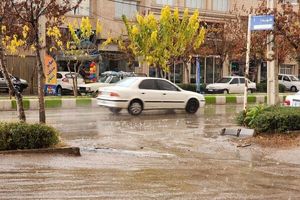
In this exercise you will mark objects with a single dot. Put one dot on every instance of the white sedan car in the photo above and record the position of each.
(293, 100)
(144, 93)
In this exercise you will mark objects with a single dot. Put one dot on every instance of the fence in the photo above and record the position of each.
(24, 68)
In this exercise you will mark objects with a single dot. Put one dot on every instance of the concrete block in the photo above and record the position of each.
(260, 99)
(239, 99)
(5, 105)
(68, 103)
(220, 100)
(34, 104)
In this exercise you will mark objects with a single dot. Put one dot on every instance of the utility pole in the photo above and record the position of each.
(247, 63)
(272, 68)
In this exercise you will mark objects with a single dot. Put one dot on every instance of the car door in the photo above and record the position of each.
(172, 97)
(287, 82)
(150, 94)
(241, 87)
(234, 85)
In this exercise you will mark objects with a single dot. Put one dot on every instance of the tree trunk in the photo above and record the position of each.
(186, 74)
(41, 86)
(12, 89)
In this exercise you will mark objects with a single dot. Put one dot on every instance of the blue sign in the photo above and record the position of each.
(262, 22)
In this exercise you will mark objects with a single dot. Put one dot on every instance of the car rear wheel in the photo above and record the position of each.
(293, 89)
(115, 110)
(192, 106)
(225, 91)
(135, 107)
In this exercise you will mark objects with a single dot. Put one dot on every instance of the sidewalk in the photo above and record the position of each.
(31, 102)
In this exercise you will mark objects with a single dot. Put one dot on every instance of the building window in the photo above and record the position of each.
(165, 2)
(195, 4)
(127, 8)
(287, 69)
(221, 5)
(83, 8)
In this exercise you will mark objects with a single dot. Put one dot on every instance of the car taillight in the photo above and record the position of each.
(287, 102)
(65, 80)
(113, 94)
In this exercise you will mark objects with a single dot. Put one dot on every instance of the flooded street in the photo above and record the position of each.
(158, 155)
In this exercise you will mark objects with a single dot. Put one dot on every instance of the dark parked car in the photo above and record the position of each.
(18, 83)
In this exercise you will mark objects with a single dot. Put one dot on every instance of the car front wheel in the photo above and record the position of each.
(192, 106)
(225, 91)
(135, 107)
(293, 89)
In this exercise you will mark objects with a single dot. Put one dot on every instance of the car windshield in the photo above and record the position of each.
(223, 80)
(103, 79)
(126, 82)
(294, 78)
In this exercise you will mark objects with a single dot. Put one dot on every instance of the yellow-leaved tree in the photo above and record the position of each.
(162, 41)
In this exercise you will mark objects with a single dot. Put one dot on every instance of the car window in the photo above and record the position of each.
(164, 85)
(58, 75)
(234, 81)
(294, 78)
(224, 80)
(69, 75)
(114, 79)
(126, 82)
(285, 78)
(279, 77)
(242, 80)
(148, 84)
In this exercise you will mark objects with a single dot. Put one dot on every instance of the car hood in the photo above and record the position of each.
(216, 85)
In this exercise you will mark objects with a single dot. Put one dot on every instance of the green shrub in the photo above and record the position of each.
(192, 87)
(19, 135)
(271, 119)
(262, 87)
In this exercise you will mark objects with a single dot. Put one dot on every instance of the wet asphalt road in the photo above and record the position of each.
(158, 155)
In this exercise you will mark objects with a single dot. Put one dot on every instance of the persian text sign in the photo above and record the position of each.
(50, 70)
(262, 22)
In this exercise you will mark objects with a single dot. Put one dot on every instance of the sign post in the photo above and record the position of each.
(198, 75)
(256, 23)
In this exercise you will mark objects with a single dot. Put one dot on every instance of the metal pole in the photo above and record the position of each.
(174, 72)
(247, 63)
(272, 71)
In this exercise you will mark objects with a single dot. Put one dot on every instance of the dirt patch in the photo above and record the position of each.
(290, 140)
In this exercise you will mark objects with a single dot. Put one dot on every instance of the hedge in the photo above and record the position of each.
(262, 87)
(192, 87)
(17, 135)
(271, 119)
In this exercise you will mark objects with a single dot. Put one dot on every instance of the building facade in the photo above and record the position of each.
(110, 12)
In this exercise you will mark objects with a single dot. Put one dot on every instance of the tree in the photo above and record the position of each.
(79, 45)
(31, 13)
(12, 37)
(163, 41)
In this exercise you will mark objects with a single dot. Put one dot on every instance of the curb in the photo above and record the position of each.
(72, 151)
(69, 103)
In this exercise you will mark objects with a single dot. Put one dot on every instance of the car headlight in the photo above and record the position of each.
(88, 89)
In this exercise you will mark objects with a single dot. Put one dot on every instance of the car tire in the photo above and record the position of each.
(192, 106)
(250, 91)
(294, 89)
(135, 107)
(95, 94)
(58, 91)
(225, 91)
(115, 110)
